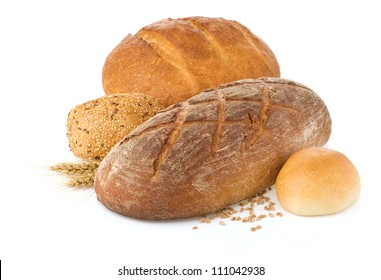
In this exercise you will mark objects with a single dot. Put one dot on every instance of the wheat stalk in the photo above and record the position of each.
(75, 168)
(80, 174)
(81, 181)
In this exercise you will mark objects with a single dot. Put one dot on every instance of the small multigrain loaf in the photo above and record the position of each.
(94, 127)
(317, 181)
(174, 59)
(215, 149)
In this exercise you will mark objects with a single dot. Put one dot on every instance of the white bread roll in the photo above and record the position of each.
(317, 181)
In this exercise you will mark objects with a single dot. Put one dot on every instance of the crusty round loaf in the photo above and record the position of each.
(174, 59)
(94, 127)
(213, 150)
(317, 181)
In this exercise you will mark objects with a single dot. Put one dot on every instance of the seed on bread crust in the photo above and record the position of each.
(94, 127)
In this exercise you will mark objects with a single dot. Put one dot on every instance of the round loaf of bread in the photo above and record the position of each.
(317, 181)
(94, 127)
(174, 59)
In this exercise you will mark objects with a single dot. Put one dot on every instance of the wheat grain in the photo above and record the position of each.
(75, 168)
(80, 174)
(248, 205)
(81, 181)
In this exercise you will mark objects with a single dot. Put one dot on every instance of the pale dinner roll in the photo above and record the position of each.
(317, 181)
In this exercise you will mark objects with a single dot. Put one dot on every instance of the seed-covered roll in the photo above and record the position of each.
(94, 127)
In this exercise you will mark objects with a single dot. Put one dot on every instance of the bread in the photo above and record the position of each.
(174, 59)
(317, 181)
(94, 127)
(215, 149)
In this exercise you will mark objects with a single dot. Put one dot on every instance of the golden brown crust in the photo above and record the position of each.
(94, 127)
(174, 59)
(215, 149)
(317, 181)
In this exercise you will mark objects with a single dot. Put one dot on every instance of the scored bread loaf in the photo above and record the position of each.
(174, 59)
(215, 149)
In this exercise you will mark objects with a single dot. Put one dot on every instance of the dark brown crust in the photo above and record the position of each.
(211, 151)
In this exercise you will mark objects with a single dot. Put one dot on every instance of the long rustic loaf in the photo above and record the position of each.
(215, 149)
(174, 59)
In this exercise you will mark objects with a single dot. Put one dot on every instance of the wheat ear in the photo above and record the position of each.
(80, 174)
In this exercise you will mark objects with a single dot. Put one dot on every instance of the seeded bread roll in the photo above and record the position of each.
(94, 127)
(215, 149)
(317, 181)
(174, 59)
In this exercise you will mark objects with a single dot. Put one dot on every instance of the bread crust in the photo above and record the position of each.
(95, 126)
(174, 59)
(215, 149)
(317, 181)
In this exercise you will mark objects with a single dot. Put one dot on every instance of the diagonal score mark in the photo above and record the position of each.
(169, 53)
(260, 121)
(172, 138)
(220, 123)
(214, 44)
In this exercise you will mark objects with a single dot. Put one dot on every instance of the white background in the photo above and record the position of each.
(51, 58)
